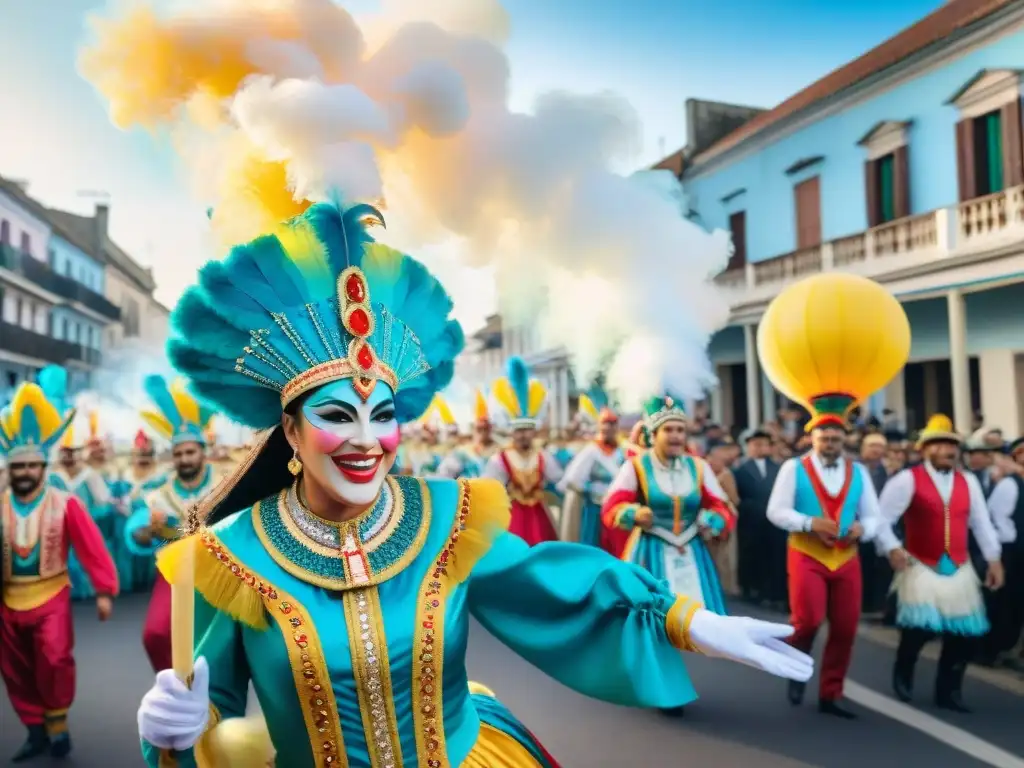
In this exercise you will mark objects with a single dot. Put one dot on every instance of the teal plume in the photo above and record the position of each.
(159, 393)
(519, 379)
(270, 311)
(53, 380)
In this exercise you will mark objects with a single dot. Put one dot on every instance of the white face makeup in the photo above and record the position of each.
(347, 445)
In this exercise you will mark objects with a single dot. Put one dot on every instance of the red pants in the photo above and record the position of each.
(156, 630)
(532, 523)
(37, 661)
(816, 593)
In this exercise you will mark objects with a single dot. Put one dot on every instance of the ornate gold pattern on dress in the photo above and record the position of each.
(43, 527)
(428, 644)
(372, 671)
(526, 485)
(309, 666)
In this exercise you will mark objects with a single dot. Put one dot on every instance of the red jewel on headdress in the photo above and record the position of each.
(359, 322)
(365, 357)
(355, 290)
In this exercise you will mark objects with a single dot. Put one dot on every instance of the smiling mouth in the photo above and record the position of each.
(358, 467)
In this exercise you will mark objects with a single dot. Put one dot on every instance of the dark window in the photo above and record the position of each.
(64, 328)
(988, 153)
(5, 232)
(26, 242)
(738, 228)
(886, 192)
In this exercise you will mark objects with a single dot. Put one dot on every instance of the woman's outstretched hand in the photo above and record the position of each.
(172, 715)
(753, 642)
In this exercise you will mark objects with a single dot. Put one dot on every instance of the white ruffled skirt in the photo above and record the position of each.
(950, 604)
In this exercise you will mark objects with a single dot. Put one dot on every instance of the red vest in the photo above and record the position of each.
(932, 527)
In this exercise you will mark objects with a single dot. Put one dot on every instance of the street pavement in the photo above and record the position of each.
(742, 719)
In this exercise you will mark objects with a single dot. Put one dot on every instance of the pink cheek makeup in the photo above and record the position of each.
(326, 442)
(390, 442)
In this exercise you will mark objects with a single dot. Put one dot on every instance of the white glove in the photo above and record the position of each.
(172, 715)
(752, 642)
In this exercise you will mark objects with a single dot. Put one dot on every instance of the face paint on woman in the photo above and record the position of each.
(348, 446)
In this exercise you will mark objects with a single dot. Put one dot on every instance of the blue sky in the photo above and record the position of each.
(54, 133)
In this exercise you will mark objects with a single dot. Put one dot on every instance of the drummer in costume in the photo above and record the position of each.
(470, 460)
(39, 527)
(156, 520)
(315, 565)
(828, 343)
(669, 502)
(938, 592)
(588, 476)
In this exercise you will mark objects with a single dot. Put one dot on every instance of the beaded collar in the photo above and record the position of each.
(355, 554)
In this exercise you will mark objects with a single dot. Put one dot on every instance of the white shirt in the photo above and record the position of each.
(781, 504)
(762, 467)
(577, 473)
(899, 491)
(1001, 505)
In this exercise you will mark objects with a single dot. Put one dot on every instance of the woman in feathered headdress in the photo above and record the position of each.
(527, 471)
(670, 502)
(328, 342)
(41, 526)
(469, 460)
(590, 472)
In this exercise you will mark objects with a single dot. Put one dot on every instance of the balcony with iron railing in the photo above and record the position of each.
(984, 224)
(22, 341)
(48, 279)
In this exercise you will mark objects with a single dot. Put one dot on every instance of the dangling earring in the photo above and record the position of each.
(294, 465)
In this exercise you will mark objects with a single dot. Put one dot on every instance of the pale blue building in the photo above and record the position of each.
(905, 165)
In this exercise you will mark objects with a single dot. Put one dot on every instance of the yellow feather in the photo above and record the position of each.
(214, 581)
(444, 411)
(489, 516)
(506, 397)
(94, 424)
(538, 394)
(159, 423)
(30, 397)
(187, 406)
(301, 244)
(480, 412)
(587, 408)
(67, 440)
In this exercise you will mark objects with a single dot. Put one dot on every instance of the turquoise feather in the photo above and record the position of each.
(30, 431)
(53, 380)
(277, 313)
(156, 389)
(519, 377)
(598, 397)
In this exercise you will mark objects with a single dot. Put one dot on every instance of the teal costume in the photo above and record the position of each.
(367, 621)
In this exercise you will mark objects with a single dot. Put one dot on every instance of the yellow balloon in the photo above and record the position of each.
(833, 340)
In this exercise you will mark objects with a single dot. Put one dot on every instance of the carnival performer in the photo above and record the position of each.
(97, 458)
(938, 592)
(159, 514)
(469, 460)
(40, 526)
(826, 502)
(74, 476)
(142, 476)
(356, 339)
(670, 502)
(590, 473)
(527, 472)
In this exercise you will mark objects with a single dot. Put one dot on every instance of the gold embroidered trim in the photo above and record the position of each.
(677, 623)
(309, 666)
(428, 645)
(372, 671)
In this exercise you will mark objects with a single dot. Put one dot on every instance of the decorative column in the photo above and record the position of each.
(958, 363)
(753, 376)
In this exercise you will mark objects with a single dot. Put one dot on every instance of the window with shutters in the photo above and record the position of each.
(807, 196)
(989, 143)
(886, 194)
(988, 153)
(738, 229)
(887, 172)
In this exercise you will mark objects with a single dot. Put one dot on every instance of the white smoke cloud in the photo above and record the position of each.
(412, 107)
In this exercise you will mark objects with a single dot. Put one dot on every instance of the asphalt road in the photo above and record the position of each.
(741, 720)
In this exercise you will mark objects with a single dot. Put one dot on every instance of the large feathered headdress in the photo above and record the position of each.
(178, 416)
(481, 413)
(521, 397)
(594, 407)
(313, 302)
(37, 417)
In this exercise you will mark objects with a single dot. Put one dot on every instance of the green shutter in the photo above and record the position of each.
(886, 190)
(994, 147)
